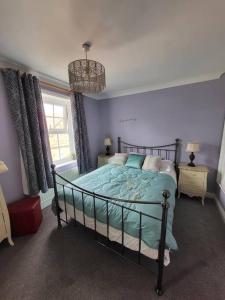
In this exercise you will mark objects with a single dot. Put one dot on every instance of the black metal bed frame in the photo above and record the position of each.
(165, 151)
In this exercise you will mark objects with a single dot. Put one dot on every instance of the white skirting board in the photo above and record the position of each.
(218, 203)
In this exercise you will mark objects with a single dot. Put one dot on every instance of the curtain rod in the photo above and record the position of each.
(6, 63)
(54, 86)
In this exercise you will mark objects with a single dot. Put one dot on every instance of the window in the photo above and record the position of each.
(59, 122)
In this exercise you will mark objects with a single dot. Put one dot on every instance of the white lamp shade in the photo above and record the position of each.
(193, 147)
(107, 142)
(3, 167)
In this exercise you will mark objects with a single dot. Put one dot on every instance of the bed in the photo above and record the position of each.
(129, 206)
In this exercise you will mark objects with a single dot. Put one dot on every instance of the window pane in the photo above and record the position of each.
(58, 111)
(53, 140)
(59, 123)
(65, 152)
(55, 154)
(48, 109)
(63, 139)
(50, 123)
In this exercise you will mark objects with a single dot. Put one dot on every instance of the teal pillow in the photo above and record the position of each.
(135, 161)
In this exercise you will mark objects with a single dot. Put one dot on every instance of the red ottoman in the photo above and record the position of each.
(25, 216)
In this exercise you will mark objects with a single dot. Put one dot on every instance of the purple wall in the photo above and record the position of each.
(190, 112)
(9, 151)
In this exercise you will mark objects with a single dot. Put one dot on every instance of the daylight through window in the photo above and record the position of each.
(58, 117)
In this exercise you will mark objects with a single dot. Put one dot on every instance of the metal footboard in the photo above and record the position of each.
(119, 203)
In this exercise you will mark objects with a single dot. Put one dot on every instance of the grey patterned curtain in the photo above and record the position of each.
(25, 101)
(80, 133)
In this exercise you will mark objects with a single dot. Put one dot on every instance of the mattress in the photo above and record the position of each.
(125, 183)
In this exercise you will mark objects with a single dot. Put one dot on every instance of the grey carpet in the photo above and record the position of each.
(69, 264)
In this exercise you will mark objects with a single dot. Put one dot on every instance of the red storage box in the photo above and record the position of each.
(25, 216)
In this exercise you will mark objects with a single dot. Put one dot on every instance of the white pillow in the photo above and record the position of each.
(152, 163)
(121, 154)
(166, 165)
(118, 159)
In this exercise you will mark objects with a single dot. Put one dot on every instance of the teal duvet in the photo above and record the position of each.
(133, 184)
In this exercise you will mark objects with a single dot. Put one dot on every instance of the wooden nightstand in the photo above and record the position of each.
(193, 181)
(103, 159)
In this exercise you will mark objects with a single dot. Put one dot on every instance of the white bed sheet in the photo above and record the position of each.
(114, 234)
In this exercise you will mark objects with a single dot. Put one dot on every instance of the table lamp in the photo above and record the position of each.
(192, 148)
(107, 143)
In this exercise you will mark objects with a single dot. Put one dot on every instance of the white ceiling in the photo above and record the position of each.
(143, 44)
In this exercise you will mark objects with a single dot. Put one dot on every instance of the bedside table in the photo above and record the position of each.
(103, 159)
(193, 181)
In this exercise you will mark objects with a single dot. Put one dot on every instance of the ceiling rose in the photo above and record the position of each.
(86, 75)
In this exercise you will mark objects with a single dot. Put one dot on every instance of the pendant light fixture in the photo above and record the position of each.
(86, 75)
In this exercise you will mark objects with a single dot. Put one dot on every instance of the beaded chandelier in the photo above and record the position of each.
(85, 75)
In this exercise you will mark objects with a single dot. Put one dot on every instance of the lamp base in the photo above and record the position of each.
(192, 157)
(107, 148)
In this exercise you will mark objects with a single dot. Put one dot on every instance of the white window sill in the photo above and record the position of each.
(66, 166)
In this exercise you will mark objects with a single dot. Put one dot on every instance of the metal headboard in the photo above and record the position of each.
(169, 151)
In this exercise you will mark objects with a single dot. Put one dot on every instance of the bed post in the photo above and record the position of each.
(162, 243)
(177, 142)
(119, 145)
(56, 196)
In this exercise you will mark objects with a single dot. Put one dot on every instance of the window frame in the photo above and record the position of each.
(65, 116)
(61, 100)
